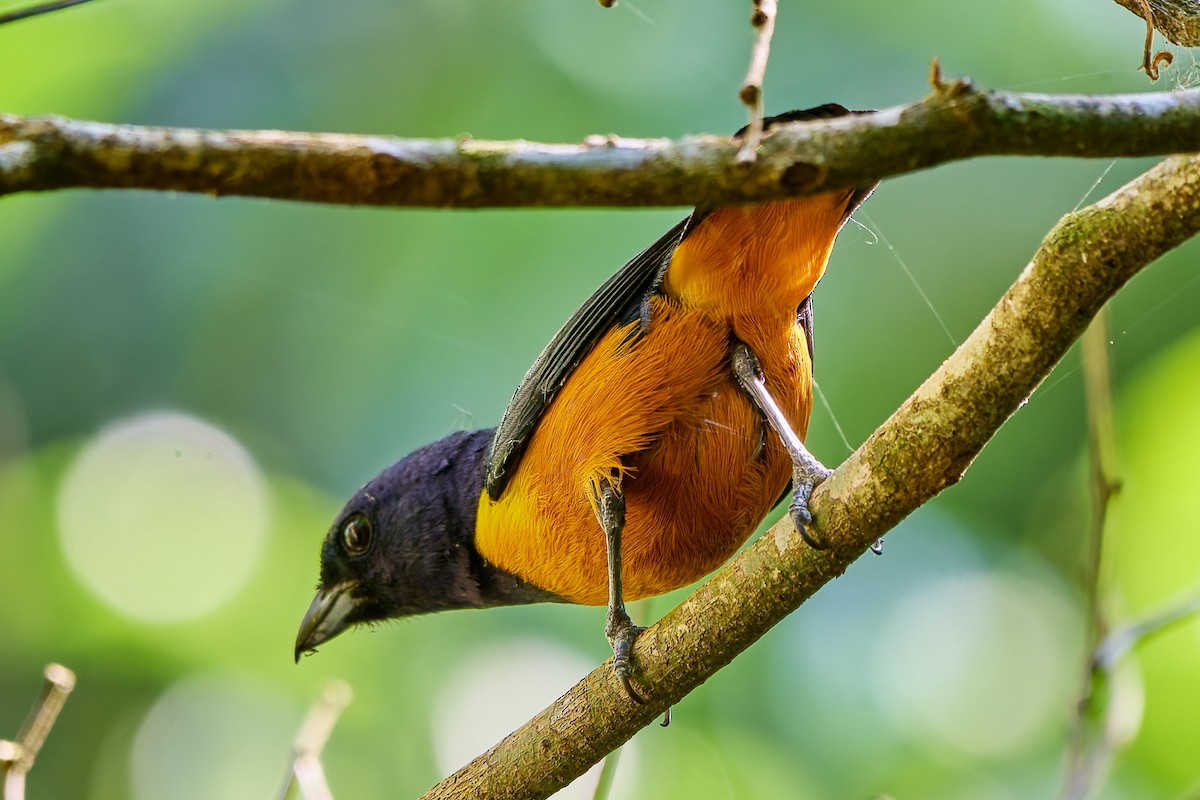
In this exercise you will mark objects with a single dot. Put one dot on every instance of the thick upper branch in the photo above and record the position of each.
(955, 122)
(923, 448)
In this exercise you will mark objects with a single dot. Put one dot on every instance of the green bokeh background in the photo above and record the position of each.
(330, 341)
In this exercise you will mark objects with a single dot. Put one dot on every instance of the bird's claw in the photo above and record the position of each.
(622, 635)
(805, 481)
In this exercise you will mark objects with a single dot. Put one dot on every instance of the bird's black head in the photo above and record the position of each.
(402, 545)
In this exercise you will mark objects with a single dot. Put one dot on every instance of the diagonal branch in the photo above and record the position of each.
(923, 448)
(955, 122)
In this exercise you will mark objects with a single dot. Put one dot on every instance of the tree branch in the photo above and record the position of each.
(955, 122)
(1178, 20)
(924, 447)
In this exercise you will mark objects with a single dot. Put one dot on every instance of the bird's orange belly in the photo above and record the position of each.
(698, 467)
(696, 497)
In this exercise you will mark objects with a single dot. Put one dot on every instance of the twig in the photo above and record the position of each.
(17, 757)
(923, 448)
(1164, 57)
(608, 774)
(751, 94)
(1094, 741)
(34, 11)
(954, 122)
(1089, 749)
(307, 773)
(1124, 639)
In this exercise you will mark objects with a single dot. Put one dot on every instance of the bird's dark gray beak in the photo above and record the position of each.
(326, 617)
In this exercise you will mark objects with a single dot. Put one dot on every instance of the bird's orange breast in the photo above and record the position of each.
(699, 467)
(699, 471)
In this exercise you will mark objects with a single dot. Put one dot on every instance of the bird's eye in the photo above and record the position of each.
(357, 533)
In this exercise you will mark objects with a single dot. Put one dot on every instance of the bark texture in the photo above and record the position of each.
(924, 447)
(956, 121)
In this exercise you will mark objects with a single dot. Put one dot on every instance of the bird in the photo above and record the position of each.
(647, 442)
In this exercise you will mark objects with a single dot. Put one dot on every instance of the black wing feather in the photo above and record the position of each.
(616, 299)
(804, 318)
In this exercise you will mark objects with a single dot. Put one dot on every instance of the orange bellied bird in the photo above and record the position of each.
(649, 439)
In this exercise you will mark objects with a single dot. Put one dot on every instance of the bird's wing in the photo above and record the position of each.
(804, 318)
(618, 299)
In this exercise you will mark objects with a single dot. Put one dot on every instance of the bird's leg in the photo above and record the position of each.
(609, 504)
(807, 472)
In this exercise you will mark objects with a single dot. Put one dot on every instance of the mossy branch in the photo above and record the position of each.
(924, 447)
(956, 121)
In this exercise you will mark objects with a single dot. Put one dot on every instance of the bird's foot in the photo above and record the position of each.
(805, 478)
(622, 633)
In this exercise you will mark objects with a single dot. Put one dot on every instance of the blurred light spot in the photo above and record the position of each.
(500, 687)
(979, 663)
(213, 736)
(1126, 702)
(824, 660)
(163, 516)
